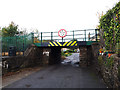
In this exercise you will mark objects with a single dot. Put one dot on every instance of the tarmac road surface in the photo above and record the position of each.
(61, 76)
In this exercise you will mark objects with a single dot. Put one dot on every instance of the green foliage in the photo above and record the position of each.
(62, 53)
(109, 62)
(9, 31)
(67, 53)
(0, 33)
(100, 60)
(118, 49)
(70, 51)
(110, 24)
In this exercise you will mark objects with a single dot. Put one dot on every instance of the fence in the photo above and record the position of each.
(19, 42)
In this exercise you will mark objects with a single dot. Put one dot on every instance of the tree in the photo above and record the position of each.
(110, 26)
(11, 30)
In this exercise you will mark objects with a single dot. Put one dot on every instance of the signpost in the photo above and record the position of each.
(62, 33)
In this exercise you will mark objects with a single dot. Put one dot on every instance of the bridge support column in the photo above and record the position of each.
(40, 54)
(55, 55)
(85, 56)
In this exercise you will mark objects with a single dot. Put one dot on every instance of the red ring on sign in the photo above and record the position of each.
(60, 31)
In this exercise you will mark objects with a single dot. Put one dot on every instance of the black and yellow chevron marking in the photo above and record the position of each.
(54, 44)
(70, 43)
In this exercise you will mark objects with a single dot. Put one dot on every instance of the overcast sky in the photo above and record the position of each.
(53, 15)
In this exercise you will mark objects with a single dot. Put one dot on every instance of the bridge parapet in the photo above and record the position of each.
(73, 38)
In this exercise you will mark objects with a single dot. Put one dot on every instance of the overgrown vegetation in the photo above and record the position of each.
(100, 60)
(68, 52)
(108, 62)
(118, 49)
(110, 25)
(11, 36)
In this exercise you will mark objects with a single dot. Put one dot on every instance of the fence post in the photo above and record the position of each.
(16, 46)
(41, 38)
(96, 34)
(73, 35)
(23, 45)
(62, 39)
(51, 36)
(85, 34)
(32, 38)
(89, 36)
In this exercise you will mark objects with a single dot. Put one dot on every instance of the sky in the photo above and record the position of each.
(53, 15)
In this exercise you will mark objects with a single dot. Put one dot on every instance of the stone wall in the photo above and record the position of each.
(34, 56)
(14, 63)
(111, 73)
(83, 56)
(86, 56)
(95, 51)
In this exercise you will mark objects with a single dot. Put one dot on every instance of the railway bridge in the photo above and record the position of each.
(53, 42)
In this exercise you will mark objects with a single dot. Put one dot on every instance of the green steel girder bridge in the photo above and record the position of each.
(73, 38)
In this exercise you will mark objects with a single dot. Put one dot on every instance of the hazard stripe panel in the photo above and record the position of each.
(73, 43)
(55, 44)
(70, 43)
(59, 44)
(65, 43)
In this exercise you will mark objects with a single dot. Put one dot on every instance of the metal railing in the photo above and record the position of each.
(23, 42)
(79, 35)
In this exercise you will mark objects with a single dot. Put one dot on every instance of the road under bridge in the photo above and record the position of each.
(61, 76)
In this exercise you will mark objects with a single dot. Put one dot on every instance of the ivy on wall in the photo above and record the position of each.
(110, 25)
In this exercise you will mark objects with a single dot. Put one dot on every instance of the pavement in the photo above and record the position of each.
(73, 60)
(61, 76)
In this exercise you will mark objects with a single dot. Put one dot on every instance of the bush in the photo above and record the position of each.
(66, 53)
(100, 60)
(109, 62)
(118, 49)
(110, 26)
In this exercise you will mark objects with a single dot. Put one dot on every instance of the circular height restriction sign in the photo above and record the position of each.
(62, 33)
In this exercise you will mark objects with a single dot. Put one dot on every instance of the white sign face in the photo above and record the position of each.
(62, 33)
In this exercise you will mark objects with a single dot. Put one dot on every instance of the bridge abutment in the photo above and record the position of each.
(85, 55)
